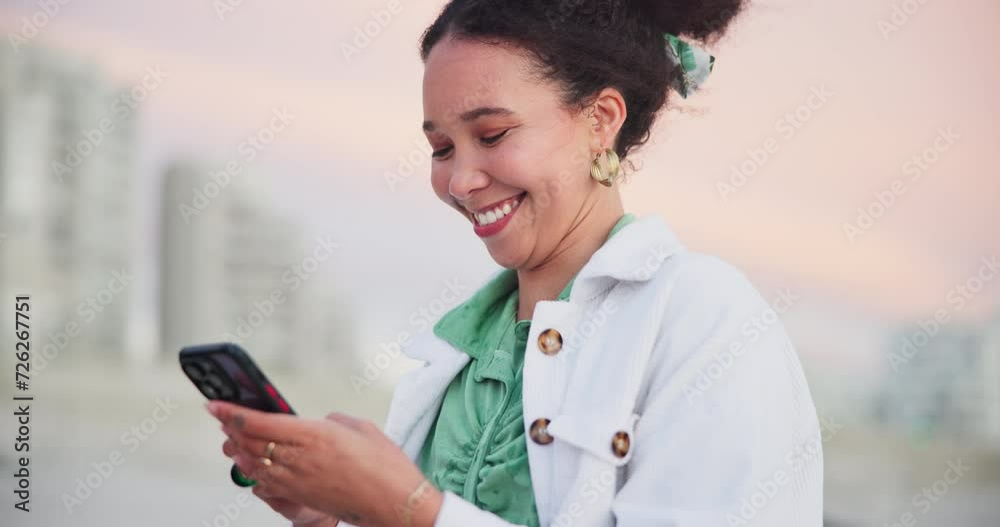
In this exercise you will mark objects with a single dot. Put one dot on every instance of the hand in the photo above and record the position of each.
(298, 514)
(341, 466)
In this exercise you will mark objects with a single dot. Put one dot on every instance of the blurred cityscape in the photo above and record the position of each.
(230, 267)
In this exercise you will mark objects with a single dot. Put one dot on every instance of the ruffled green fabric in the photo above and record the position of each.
(694, 63)
(477, 447)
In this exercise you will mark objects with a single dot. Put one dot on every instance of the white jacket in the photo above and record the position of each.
(678, 351)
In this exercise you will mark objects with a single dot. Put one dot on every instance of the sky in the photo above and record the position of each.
(878, 98)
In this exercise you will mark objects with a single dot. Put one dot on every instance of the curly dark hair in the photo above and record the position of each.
(587, 45)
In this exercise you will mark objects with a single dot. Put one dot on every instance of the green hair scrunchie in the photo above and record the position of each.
(695, 63)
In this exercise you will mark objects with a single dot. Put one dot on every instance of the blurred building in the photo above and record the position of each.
(947, 387)
(67, 152)
(991, 372)
(230, 269)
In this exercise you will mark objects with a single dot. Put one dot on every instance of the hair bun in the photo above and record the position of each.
(703, 20)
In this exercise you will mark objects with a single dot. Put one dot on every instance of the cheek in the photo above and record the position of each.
(552, 162)
(439, 181)
(554, 174)
(523, 166)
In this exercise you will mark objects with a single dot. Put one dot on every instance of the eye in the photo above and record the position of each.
(493, 139)
(441, 153)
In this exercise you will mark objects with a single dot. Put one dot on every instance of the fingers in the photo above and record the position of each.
(282, 454)
(273, 479)
(229, 448)
(268, 495)
(349, 421)
(263, 425)
(289, 509)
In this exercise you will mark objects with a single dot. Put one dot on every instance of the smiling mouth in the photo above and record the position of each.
(498, 212)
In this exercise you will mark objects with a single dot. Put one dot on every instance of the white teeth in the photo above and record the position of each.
(498, 213)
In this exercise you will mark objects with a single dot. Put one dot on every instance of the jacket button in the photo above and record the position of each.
(539, 431)
(620, 444)
(550, 341)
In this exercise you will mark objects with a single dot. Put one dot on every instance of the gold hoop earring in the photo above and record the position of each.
(614, 166)
(597, 169)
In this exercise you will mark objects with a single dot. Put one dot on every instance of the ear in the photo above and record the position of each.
(606, 115)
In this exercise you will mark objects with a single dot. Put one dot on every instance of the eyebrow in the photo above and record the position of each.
(472, 115)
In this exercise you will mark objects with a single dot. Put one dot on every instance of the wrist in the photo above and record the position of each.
(421, 506)
(427, 509)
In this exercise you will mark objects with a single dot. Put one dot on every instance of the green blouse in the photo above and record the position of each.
(476, 447)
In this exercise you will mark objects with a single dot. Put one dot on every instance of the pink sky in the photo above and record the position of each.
(784, 226)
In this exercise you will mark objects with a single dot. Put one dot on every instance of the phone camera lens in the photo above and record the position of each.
(194, 371)
(209, 391)
(226, 393)
(207, 365)
(220, 386)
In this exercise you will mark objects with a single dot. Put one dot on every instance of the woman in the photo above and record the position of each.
(605, 375)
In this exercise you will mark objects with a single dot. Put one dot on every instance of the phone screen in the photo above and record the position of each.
(225, 371)
(247, 394)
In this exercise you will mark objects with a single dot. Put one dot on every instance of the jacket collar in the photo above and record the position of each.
(634, 254)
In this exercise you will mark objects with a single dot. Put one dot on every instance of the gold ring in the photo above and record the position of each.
(266, 461)
(268, 451)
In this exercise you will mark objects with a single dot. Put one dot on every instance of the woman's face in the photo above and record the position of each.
(506, 154)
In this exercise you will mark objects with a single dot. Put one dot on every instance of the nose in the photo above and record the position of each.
(466, 179)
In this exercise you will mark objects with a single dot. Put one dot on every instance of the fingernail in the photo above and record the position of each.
(212, 409)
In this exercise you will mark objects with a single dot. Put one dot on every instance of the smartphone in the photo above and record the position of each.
(225, 371)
